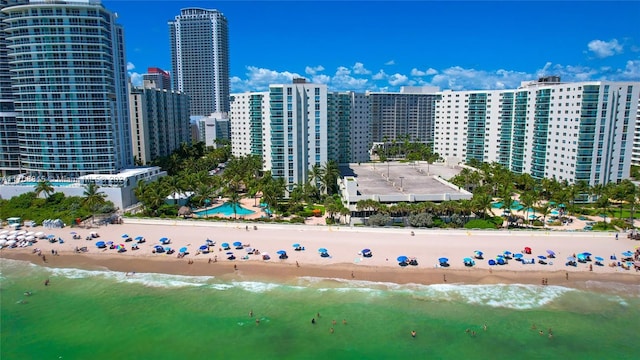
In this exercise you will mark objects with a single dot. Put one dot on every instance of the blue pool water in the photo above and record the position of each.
(514, 206)
(53, 183)
(225, 209)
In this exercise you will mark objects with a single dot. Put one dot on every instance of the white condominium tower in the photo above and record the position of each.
(567, 131)
(200, 59)
(287, 126)
(69, 83)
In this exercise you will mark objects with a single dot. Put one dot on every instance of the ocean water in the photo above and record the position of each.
(109, 315)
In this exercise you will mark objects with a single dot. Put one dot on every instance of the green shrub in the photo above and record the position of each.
(480, 224)
(297, 220)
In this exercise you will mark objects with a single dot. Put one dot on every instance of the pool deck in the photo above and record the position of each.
(248, 204)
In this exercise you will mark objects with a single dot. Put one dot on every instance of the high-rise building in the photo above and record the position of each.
(407, 115)
(159, 119)
(200, 59)
(214, 128)
(635, 155)
(349, 138)
(580, 131)
(9, 147)
(69, 85)
(157, 79)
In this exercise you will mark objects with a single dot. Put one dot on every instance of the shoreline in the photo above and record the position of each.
(344, 245)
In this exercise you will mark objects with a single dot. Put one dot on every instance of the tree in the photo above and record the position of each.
(44, 186)
(330, 175)
(93, 198)
(234, 199)
(483, 203)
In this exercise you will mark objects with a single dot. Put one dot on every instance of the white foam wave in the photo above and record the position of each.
(145, 279)
(632, 290)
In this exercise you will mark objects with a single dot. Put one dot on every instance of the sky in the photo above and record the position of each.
(383, 45)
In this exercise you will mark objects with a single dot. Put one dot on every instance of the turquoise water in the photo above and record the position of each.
(225, 209)
(53, 183)
(514, 206)
(108, 315)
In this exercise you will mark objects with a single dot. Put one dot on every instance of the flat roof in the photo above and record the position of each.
(402, 178)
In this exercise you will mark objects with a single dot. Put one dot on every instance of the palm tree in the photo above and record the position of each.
(315, 175)
(483, 203)
(234, 199)
(44, 186)
(93, 198)
(331, 173)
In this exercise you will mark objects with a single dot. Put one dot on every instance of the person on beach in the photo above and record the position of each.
(352, 275)
(566, 275)
(44, 258)
(413, 333)
(313, 320)
(473, 333)
(251, 313)
(541, 332)
(46, 282)
(297, 265)
(235, 267)
(210, 260)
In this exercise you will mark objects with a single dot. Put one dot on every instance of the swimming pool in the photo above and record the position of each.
(53, 183)
(225, 209)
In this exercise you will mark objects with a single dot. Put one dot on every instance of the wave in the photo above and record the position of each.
(145, 279)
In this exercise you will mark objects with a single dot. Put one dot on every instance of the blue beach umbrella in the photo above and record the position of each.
(586, 253)
(138, 238)
(598, 258)
(167, 248)
(101, 244)
(501, 261)
(364, 251)
(507, 253)
(296, 245)
(237, 243)
(518, 256)
(210, 242)
(51, 236)
(204, 247)
(478, 253)
(542, 257)
(225, 245)
(402, 259)
(125, 236)
(109, 243)
(165, 240)
(491, 262)
(627, 254)
(323, 250)
(229, 253)
(467, 259)
(183, 249)
(281, 252)
(443, 260)
(571, 258)
(551, 252)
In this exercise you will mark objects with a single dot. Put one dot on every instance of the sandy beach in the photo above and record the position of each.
(344, 245)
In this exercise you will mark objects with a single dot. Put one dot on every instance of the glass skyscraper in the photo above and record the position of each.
(69, 86)
(200, 59)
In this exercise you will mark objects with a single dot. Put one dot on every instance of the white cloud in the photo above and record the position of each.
(390, 62)
(313, 70)
(398, 79)
(136, 79)
(631, 70)
(130, 66)
(380, 75)
(259, 79)
(359, 69)
(603, 49)
(342, 80)
(459, 78)
(321, 79)
(428, 72)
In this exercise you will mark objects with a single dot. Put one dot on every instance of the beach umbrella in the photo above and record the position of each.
(237, 245)
(598, 258)
(21, 232)
(158, 249)
(11, 237)
(518, 256)
(210, 242)
(296, 245)
(249, 250)
(39, 234)
(165, 240)
(109, 242)
(183, 250)
(478, 253)
(323, 250)
(11, 242)
(586, 253)
(443, 260)
(73, 233)
(225, 245)
(571, 258)
(491, 262)
(2, 242)
(507, 253)
(20, 237)
(281, 252)
(167, 248)
(542, 257)
(3, 232)
(139, 238)
(3, 236)
(402, 259)
(501, 261)
(30, 238)
(120, 246)
(627, 254)
(100, 244)
(551, 253)
(203, 248)
(125, 236)
(229, 253)
(51, 236)
(467, 259)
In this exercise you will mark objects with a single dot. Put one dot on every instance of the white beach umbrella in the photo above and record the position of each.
(11, 242)
(13, 232)
(21, 232)
(30, 233)
(11, 237)
(39, 235)
(4, 232)
(3, 236)
(2, 242)
(30, 238)
(20, 237)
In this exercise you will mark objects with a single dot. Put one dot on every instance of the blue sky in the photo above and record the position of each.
(383, 45)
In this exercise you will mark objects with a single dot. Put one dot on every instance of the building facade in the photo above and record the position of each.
(214, 128)
(200, 59)
(568, 131)
(157, 78)
(69, 84)
(159, 121)
(408, 115)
